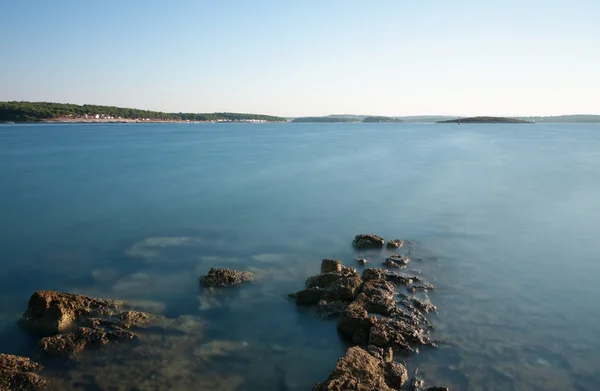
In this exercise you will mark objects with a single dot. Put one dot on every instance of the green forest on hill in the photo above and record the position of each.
(40, 111)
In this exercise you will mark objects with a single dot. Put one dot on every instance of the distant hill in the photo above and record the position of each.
(380, 119)
(583, 118)
(41, 111)
(484, 120)
(327, 119)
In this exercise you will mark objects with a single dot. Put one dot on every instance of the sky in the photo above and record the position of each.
(306, 57)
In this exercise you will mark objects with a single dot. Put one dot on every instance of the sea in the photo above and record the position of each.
(503, 218)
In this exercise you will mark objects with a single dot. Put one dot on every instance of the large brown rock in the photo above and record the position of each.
(225, 277)
(331, 265)
(70, 323)
(354, 323)
(357, 370)
(18, 373)
(341, 285)
(50, 312)
(368, 241)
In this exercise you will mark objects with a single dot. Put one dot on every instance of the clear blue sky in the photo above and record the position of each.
(510, 57)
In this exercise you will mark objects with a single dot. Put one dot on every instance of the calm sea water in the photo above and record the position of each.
(507, 216)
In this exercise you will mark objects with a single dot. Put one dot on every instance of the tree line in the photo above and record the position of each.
(39, 111)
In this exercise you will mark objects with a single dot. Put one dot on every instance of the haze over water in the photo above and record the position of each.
(506, 217)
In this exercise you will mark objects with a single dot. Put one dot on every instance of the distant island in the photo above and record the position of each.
(61, 112)
(347, 119)
(484, 120)
(380, 119)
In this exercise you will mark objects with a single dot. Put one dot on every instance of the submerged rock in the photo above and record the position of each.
(360, 371)
(395, 243)
(368, 241)
(362, 261)
(417, 383)
(18, 373)
(69, 323)
(225, 277)
(69, 345)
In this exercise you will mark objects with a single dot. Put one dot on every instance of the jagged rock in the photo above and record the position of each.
(362, 261)
(420, 286)
(377, 297)
(18, 373)
(395, 243)
(329, 308)
(331, 265)
(416, 303)
(342, 285)
(50, 312)
(386, 355)
(72, 343)
(368, 241)
(354, 323)
(394, 277)
(396, 261)
(225, 277)
(357, 370)
(69, 323)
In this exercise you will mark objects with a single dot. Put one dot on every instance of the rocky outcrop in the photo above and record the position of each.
(335, 283)
(358, 370)
(217, 277)
(69, 323)
(396, 261)
(364, 241)
(19, 373)
(395, 243)
(368, 308)
(50, 312)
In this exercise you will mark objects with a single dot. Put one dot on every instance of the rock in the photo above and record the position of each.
(50, 312)
(368, 241)
(420, 286)
(396, 375)
(225, 277)
(354, 323)
(323, 280)
(418, 384)
(70, 344)
(69, 323)
(386, 355)
(331, 265)
(362, 261)
(377, 297)
(395, 243)
(394, 277)
(414, 302)
(357, 370)
(329, 308)
(310, 296)
(342, 285)
(18, 373)
(136, 319)
(396, 261)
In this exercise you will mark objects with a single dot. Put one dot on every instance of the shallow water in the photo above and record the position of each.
(506, 216)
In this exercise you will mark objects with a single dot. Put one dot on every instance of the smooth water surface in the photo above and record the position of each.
(506, 215)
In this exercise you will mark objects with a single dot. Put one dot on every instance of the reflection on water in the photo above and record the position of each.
(504, 220)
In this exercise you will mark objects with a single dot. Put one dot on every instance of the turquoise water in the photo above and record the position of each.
(507, 216)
